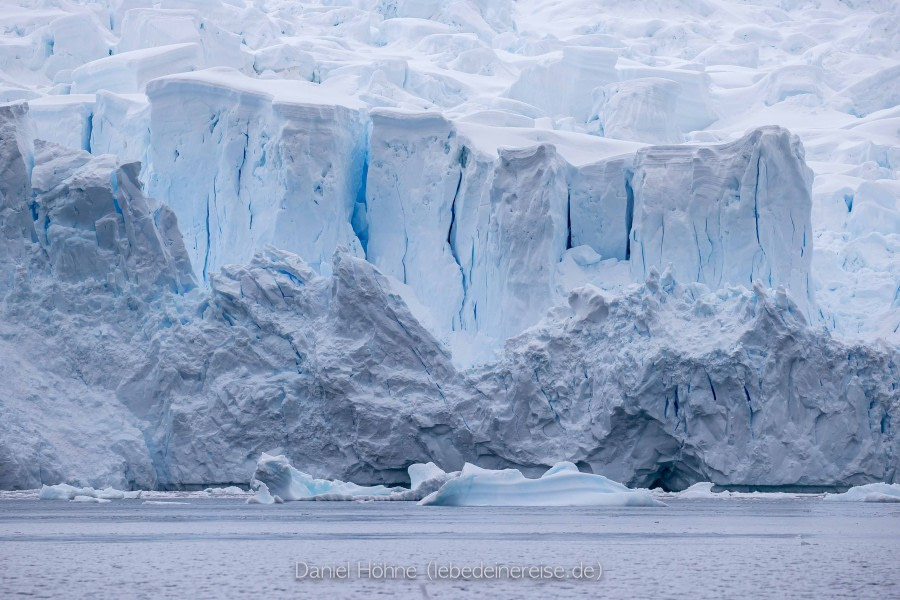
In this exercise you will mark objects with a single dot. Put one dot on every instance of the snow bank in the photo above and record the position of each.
(561, 485)
(871, 492)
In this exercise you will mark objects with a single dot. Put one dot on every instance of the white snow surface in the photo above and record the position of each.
(561, 485)
(367, 235)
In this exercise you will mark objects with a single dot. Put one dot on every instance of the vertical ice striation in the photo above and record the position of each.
(16, 162)
(601, 199)
(526, 236)
(242, 169)
(412, 201)
(726, 215)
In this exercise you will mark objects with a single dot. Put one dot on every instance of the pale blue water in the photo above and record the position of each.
(225, 548)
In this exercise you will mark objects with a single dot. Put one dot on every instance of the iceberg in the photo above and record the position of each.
(283, 481)
(870, 492)
(90, 499)
(561, 485)
(64, 491)
(421, 473)
(276, 481)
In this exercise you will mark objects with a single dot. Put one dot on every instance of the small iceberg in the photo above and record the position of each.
(64, 491)
(871, 492)
(561, 485)
(275, 479)
(92, 499)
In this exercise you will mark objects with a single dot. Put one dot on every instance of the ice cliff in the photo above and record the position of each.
(377, 234)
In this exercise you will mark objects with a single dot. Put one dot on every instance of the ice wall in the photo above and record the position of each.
(242, 169)
(476, 232)
(16, 225)
(726, 215)
(412, 187)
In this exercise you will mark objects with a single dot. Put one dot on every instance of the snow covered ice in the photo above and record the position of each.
(657, 241)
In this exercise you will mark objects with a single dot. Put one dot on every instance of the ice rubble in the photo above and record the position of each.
(561, 485)
(355, 204)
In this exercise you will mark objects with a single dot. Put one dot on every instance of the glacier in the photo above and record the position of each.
(365, 236)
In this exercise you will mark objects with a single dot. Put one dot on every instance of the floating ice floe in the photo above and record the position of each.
(64, 491)
(872, 492)
(562, 485)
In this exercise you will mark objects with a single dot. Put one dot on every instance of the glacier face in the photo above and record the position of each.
(366, 236)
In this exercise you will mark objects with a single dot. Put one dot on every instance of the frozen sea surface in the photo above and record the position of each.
(213, 548)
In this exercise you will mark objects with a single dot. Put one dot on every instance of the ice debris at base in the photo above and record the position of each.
(561, 485)
(165, 503)
(427, 241)
(64, 491)
(870, 492)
